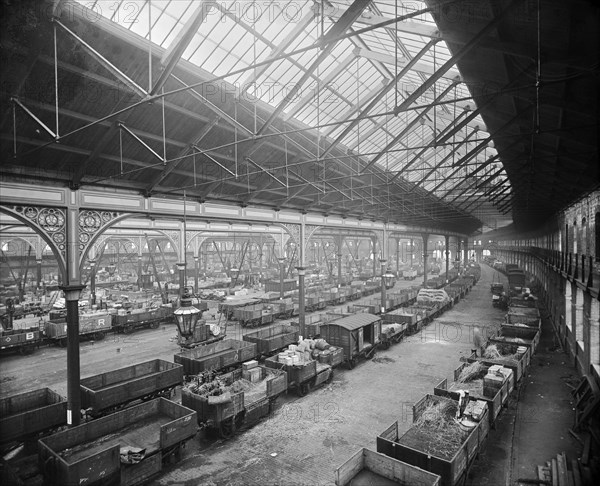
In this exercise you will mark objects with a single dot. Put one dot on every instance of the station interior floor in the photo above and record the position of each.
(307, 438)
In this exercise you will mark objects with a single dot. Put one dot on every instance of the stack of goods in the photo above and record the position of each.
(295, 354)
(251, 372)
(432, 295)
(324, 353)
(494, 379)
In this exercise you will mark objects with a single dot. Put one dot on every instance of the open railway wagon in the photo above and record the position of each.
(123, 448)
(506, 336)
(435, 442)
(524, 315)
(474, 271)
(523, 300)
(312, 324)
(143, 318)
(314, 301)
(106, 392)
(458, 289)
(26, 415)
(492, 384)
(24, 341)
(358, 335)
(215, 356)
(370, 306)
(512, 356)
(253, 315)
(303, 372)
(273, 338)
(283, 308)
(226, 402)
(354, 291)
(437, 299)
(91, 326)
(229, 306)
(372, 468)
(392, 333)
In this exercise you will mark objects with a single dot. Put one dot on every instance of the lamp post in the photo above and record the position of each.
(186, 318)
(383, 289)
(196, 270)
(281, 261)
(181, 270)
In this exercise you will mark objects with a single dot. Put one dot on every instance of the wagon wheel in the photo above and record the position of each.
(25, 350)
(62, 342)
(386, 344)
(99, 336)
(239, 420)
(272, 404)
(303, 389)
(227, 428)
(154, 325)
(370, 354)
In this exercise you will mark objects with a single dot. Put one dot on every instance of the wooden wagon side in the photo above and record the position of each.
(452, 471)
(90, 453)
(274, 338)
(112, 389)
(371, 467)
(27, 414)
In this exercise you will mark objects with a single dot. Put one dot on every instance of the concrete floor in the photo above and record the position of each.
(306, 439)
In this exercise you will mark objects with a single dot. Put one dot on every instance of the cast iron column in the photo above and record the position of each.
(301, 313)
(383, 289)
(72, 294)
(38, 264)
(93, 284)
(466, 252)
(447, 242)
(281, 276)
(425, 238)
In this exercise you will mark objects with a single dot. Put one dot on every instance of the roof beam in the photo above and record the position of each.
(447, 157)
(283, 45)
(214, 108)
(105, 62)
(414, 28)
(325, 83)
(462, 52)
(375, 93)
(420, 67)
(381, 95)
(177, 47)
(470, 177)
(339, 28)
(406, 130)
(173, 165)
(481, 184)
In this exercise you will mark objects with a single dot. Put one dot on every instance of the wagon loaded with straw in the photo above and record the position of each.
(436, 442)
(489, 383)
(512, 356)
